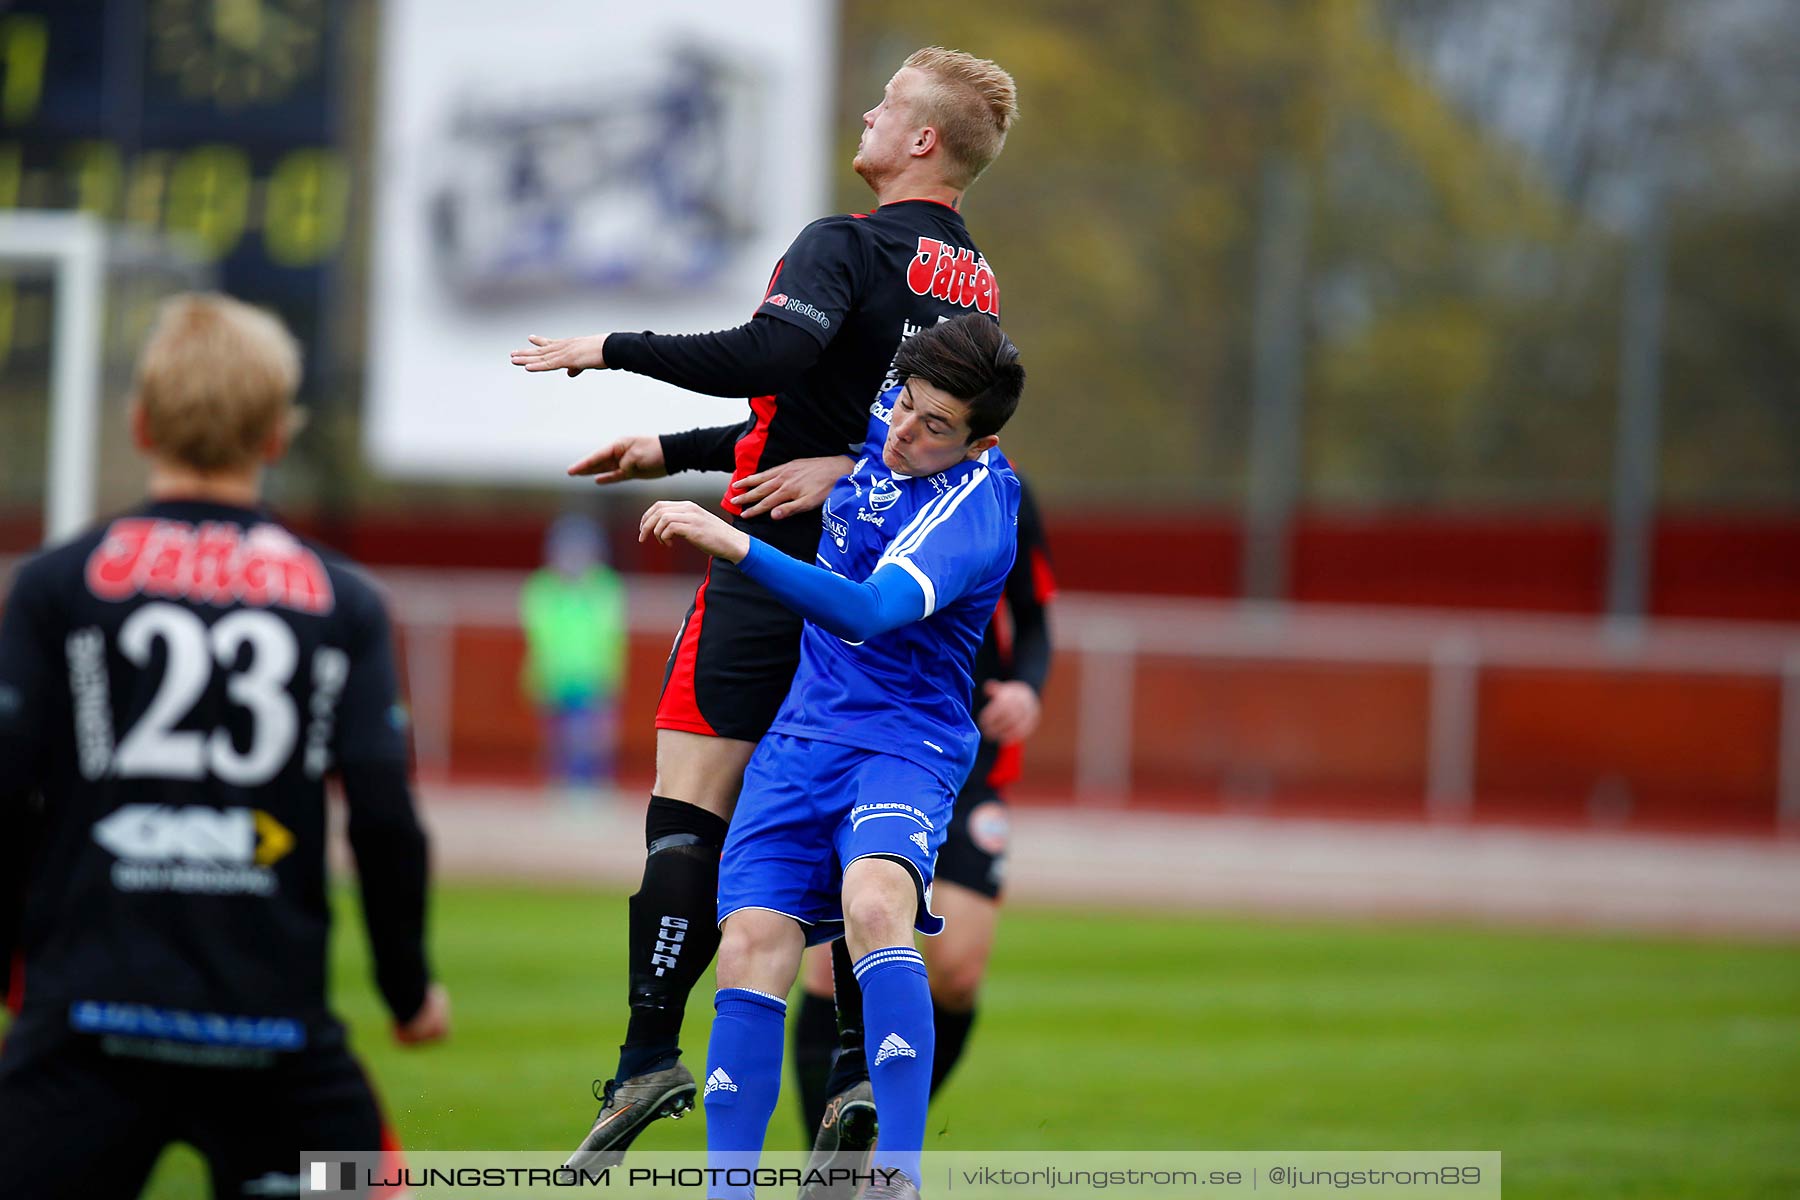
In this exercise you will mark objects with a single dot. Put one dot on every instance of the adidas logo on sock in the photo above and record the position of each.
(924, 843)
(719, 1081)
(894, 1046)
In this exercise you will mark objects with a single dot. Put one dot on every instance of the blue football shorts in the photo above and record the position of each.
(808, 810)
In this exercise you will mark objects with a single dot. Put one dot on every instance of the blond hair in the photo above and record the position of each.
(216, 378)
(970, 101)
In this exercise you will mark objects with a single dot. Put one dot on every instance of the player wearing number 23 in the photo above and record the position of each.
(176, 687)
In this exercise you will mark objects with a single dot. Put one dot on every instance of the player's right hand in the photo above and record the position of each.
(793, 487)
(639, 457)
(431, 1023)
(667, 520)
(574, 355)
(1012, 710)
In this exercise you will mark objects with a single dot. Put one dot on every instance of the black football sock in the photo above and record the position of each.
(815, 1041)
(851, 1066)
(952, 1032)
(674, 929)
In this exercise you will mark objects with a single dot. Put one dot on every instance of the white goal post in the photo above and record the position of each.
(72, 246)
(79, 253)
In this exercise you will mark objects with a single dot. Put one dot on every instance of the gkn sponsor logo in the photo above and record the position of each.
(193, 849)
(800, 307)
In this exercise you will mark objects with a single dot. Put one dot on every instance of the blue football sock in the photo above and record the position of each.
(743, 1076)
(899, 1040)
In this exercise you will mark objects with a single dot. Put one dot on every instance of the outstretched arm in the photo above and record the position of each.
(710, 449)
(797, 486)
(846, 608)
(823, 267)
(759, 357)
(651, 456)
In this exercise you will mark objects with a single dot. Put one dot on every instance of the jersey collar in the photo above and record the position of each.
(920, 200)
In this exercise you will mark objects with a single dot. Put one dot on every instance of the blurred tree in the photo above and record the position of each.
(1472, 163)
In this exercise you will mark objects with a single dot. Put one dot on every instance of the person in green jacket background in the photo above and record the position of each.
(573, 613)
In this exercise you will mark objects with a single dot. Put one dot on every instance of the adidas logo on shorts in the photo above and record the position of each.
(718, 1081)
(924, 843)
(893, 1046)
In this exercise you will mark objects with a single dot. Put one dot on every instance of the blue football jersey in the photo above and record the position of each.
(907, 692)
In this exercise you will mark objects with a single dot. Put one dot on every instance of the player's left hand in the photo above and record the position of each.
(431, 1023)
(793, 487)
(667, 520)
(574, 354)
(1012, 710)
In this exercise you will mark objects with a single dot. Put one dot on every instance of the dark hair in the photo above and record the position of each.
(971, 359)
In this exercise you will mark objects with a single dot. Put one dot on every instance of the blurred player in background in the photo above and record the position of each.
(1010, 672)
(847, 798)
(849, 291)
(175, 688)
(573, 613)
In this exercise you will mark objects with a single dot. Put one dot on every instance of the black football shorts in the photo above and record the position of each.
(736, 654)
(974, 850)
(88, 1117)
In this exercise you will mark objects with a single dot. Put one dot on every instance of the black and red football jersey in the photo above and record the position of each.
(861, 284)
(1017, 645)
(176, 685)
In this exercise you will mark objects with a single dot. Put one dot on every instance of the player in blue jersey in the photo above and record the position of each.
(846, 801)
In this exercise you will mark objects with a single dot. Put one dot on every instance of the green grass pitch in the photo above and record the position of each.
(1600, 1066)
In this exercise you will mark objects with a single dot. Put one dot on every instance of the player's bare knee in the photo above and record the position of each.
(759, 949)
(752, 931)
(736, 952)
(874, 925)
(880, 903)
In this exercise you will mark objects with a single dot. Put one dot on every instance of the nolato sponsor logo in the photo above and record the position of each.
(796, 305)
(194, 849)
